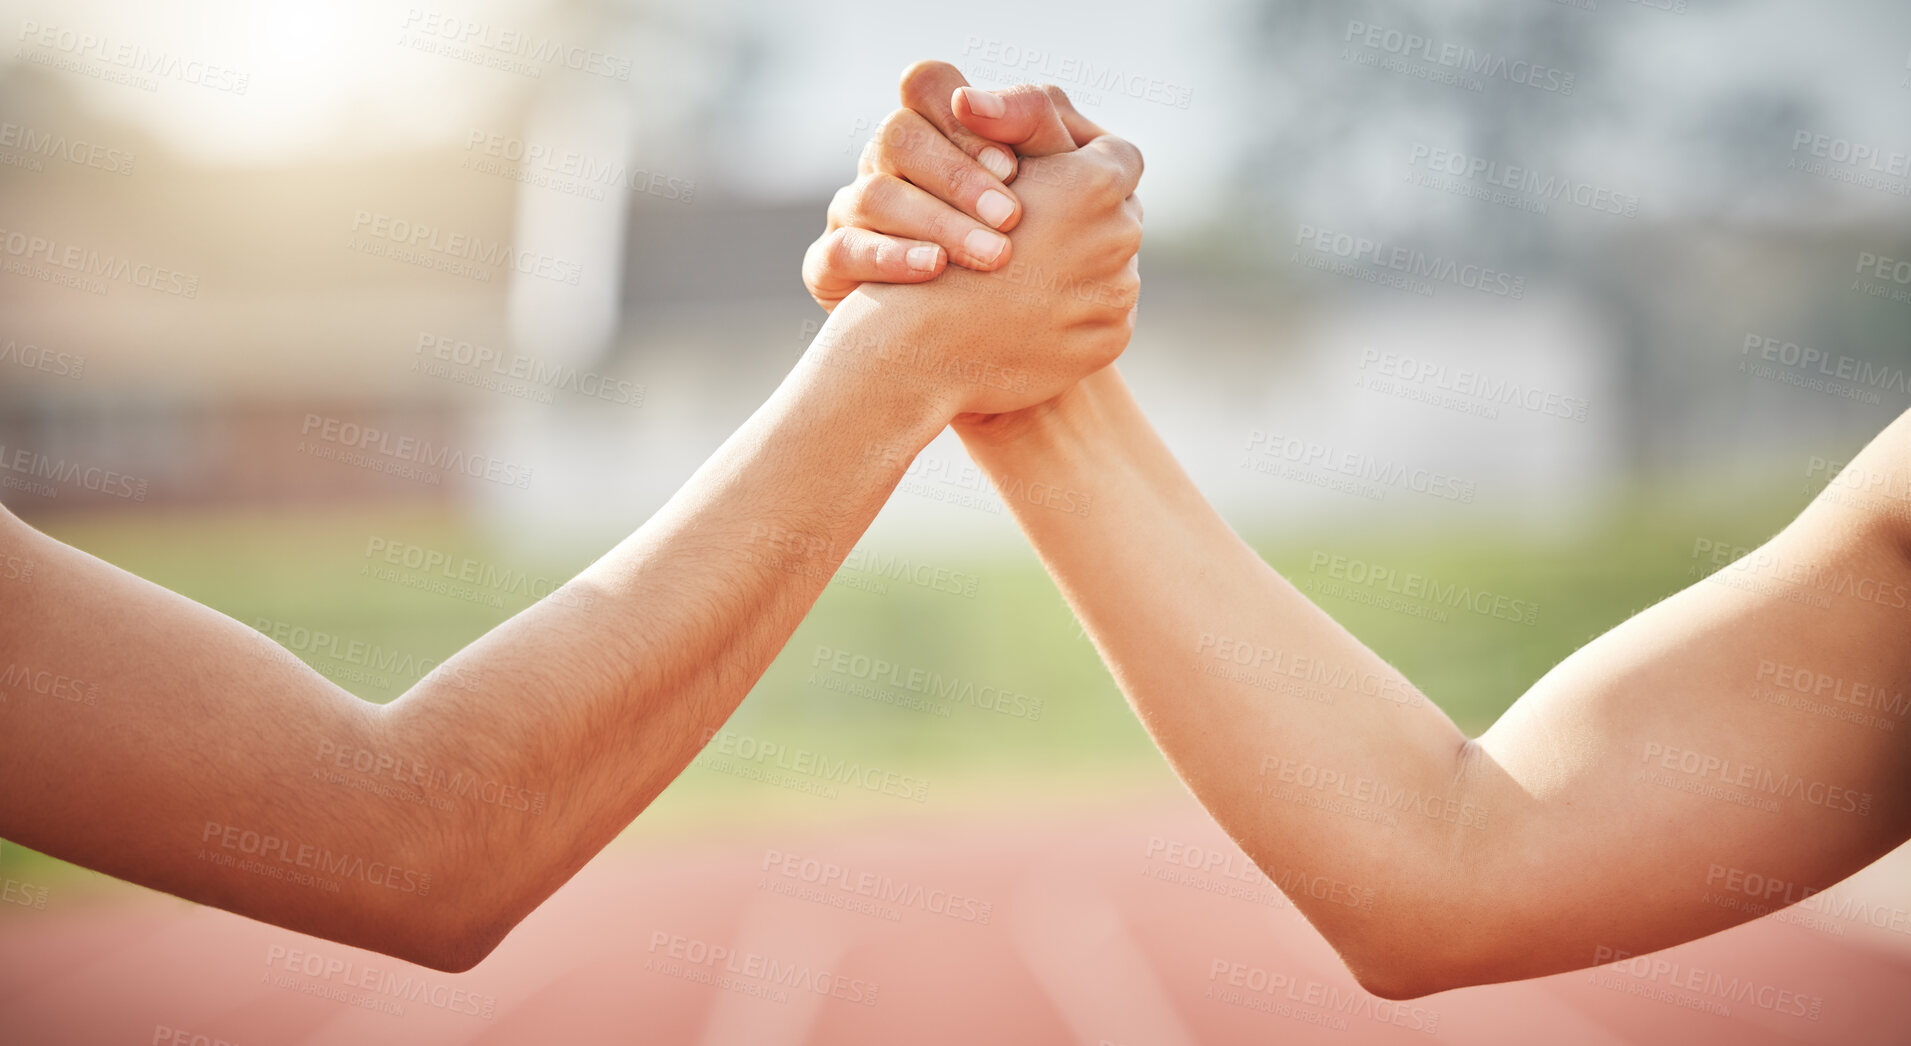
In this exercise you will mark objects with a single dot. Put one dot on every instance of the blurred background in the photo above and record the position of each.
(1586, 292)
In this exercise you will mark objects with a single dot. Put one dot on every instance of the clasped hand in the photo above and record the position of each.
(1045, 278)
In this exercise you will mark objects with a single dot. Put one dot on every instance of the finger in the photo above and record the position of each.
(910, 148)
(1024, 116)
(1080, 127)
(886, 204)
(839, 261)
(1122, 162)
(926, 88)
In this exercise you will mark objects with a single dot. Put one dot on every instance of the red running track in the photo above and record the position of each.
(1067, 929)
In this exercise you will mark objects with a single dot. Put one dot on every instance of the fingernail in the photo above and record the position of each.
(984, 104)
(997, 162)
(994, 208)
(922, 259)
(986, 246)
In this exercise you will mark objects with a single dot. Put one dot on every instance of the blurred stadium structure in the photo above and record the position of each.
(678, 180)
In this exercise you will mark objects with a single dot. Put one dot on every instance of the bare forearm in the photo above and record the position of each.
(1264, 705)
(611, 686)
(1431, 862)
(217, 767)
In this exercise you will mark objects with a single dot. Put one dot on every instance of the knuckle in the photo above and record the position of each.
(945, 228)
(839, 253)
(1122, 152)
(1098, 180)
(890, 122)
(842, 206)
(897, 131)
(877, 194)
(1134, 156)
(813, 264)
(964, 178)
(921, 76)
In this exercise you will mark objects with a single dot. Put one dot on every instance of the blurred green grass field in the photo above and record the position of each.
(1014, 633)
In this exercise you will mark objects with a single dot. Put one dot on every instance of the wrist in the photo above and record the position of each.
(1065, 426)
(868, 345)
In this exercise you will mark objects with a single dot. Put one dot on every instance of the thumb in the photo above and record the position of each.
(1037, 121)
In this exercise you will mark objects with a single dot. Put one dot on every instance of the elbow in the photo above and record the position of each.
(452, 941)
(1421, 957)
(452, 954)
(1400, 978)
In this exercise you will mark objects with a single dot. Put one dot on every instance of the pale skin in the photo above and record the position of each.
(1689, 770)
(203, 739)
